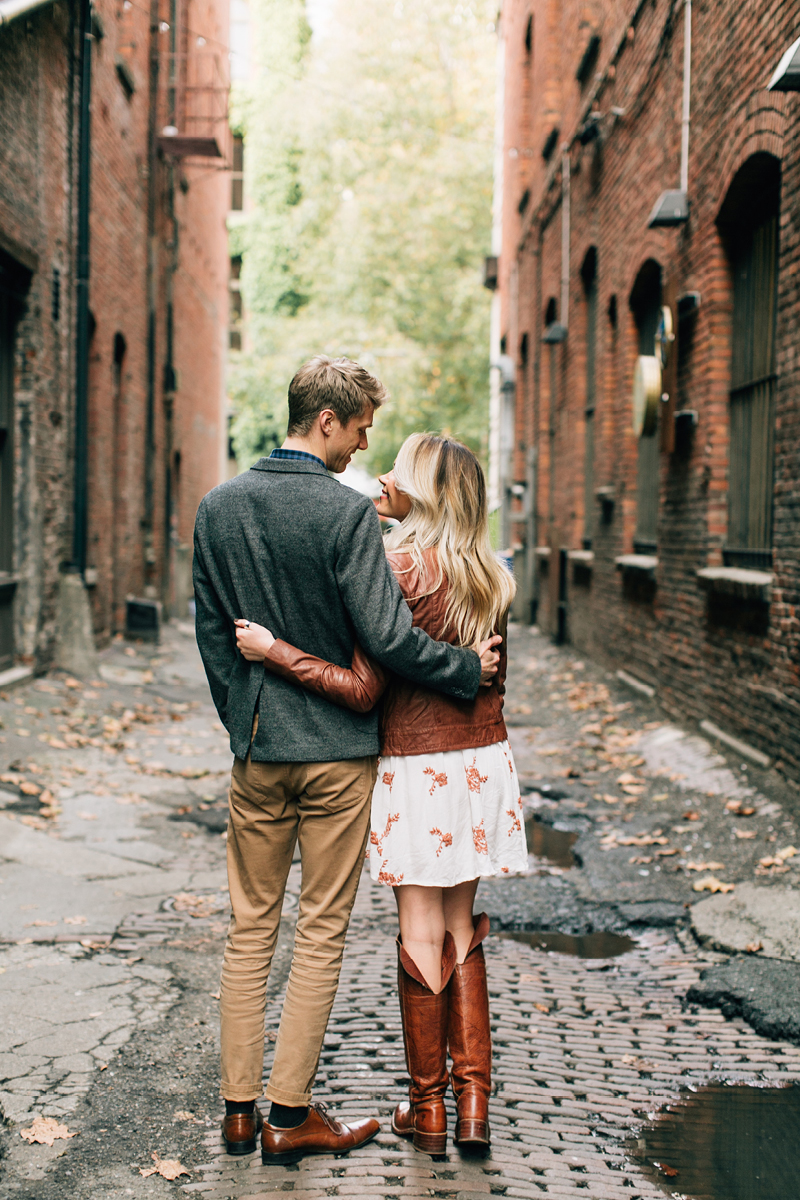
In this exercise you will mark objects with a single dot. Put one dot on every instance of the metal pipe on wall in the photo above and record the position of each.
(563, 316)
(687, 91)
(81, 484)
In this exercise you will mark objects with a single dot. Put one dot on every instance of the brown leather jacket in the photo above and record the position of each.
(414, 719)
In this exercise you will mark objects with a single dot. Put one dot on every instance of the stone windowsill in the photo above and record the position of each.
(736, 581)
(543, 553)
(583, 558)
(642, 564)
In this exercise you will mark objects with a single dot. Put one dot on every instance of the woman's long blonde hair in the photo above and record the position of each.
(446, 486)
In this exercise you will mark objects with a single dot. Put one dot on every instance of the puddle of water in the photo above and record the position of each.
(554, 845)
(585, 945)
(729, 1143)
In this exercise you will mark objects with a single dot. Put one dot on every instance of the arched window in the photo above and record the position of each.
(748, 222)
(589, 278)
(645, 302)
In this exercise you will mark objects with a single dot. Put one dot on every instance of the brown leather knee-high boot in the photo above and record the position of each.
(424, 1016)
(470, 1041)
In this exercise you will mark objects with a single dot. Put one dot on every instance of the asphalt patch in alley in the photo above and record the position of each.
(761, 990)
(726, 1142)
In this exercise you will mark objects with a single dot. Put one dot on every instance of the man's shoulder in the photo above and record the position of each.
(328, 496)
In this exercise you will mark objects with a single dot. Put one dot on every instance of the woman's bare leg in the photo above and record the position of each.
(457, 903)
(422, 928)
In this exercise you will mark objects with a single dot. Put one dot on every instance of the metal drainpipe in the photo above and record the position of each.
(81, 487)
(563, 316)
(151, 300)
(687, 94)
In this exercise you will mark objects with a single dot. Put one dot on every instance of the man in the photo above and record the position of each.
(288, 546)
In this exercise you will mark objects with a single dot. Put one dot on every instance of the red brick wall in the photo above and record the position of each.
(38, 191)
(190, 263)
(740, 668)
(36, 231)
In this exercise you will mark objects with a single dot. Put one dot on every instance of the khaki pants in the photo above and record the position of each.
(326, 806)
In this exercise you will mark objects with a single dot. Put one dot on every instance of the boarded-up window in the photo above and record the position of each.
(750, 221)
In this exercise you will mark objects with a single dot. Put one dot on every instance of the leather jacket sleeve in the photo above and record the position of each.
(358, 686)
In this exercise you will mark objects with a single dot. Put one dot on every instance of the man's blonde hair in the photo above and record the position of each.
(336, 383)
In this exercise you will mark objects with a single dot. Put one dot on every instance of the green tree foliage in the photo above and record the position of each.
(369, 168)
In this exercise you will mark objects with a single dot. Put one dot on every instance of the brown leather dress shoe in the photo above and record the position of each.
(319, 1134)
(240, 1131)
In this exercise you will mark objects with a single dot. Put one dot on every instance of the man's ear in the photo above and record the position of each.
(326, 420)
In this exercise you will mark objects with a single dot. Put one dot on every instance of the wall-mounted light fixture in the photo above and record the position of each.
(554, 333)
(672, 207)
(787, 73)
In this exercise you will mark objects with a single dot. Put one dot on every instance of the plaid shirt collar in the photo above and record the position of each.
(300, 455)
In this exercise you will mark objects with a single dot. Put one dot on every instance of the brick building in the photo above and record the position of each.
(101, 471)
(661, 536)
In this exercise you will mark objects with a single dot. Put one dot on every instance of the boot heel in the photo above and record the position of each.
(472, 1133)
(284, 1159)
(430, 1143)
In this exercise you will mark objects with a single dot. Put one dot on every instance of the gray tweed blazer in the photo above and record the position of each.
(286, 545)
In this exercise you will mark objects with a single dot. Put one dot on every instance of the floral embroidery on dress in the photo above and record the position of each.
(479, 839)
(388, 779)
(385, 877)
(515, 822)
(510, 763)
(445, 839)
(504, 870)
(474, 777)
(378, 841)
(440, 779)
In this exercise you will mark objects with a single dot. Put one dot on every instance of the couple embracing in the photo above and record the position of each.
(325, 645)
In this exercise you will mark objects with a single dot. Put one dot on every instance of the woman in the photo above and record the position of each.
(446, 808)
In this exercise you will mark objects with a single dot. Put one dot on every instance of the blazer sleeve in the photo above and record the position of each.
(382, 619)
(216, 639)
(358, 686)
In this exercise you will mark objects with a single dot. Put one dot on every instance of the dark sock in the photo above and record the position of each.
(233, 1107)
(282, 1116)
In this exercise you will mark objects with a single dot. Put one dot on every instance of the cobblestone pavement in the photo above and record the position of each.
(584, 1051)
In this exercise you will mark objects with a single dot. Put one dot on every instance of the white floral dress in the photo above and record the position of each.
(445, 817)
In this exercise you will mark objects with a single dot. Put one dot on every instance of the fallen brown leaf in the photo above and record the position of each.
(46, 1130)
(671, 1172)
(705, 866)
(29, 789)
(169, 1168)
(711, 884)
(691, 816)
(543, 1008)
(754, 947)
(745, 834)
(739, 809)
